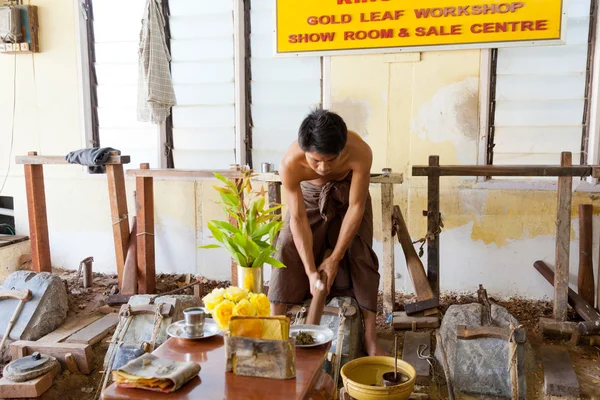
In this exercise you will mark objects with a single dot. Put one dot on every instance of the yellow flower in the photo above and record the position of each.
(245, 308)
(222, 313)
(262, 304)
(235, 294)
(212, 299)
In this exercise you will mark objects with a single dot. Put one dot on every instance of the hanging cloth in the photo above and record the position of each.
(156, 95)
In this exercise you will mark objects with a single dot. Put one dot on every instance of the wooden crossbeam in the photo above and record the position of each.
(48, 160)
(506, 170)
(393, 178)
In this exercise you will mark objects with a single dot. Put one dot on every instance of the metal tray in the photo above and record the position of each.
(177, 330)
(321, 334)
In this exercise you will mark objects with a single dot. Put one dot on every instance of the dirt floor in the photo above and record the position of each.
(84, 302)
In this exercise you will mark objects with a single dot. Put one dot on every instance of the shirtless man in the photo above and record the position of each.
(326, 153)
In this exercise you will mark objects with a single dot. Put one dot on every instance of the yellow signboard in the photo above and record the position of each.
(332, 26)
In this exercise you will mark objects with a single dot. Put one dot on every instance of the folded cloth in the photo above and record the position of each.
(95, 158)
(157, 374)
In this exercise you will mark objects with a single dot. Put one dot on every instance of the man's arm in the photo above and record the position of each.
(359, 190)
(300, 227)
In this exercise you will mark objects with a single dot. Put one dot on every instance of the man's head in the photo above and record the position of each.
(322, 137)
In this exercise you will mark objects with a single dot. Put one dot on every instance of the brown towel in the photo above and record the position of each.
(358, 274)
(157, 374)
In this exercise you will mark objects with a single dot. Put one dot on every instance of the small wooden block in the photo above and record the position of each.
(412, 342)
(30, 389)
(83, 353)
(420, 306)
(71, 364)
(68, 328)
(402, 321)
(94, 333)
(559, 375)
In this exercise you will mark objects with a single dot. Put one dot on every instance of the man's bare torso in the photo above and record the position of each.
(355, 155)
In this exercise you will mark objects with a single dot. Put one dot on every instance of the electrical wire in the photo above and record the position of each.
(12, 135)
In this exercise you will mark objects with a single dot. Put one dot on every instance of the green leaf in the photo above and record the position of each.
(260, 203)
(222, 189)
(234, 252)
(217, 234)
(262, 257)
(225, 180)
(272, 209)
(263, 230)
(275, 263)
(226, 226)
(230, 199)
(210, 246)
(275, 230)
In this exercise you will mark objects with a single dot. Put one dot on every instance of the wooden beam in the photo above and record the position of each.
(433, 228)
(145, 236)
(120, 217)
(38, 219)
(164, 173)
(584, 310)
(563, 240)
(40, 160)
(233, 221)
(96, 331)
(585, 277)
(503, 170)
(387, 204)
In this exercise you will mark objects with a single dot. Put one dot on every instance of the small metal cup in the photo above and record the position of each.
(266, 167)
(194, 321)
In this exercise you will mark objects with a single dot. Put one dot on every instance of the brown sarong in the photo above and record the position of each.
(358, 274)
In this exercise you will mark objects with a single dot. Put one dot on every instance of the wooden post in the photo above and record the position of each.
(563, 239)
(233, 222)
(145, 236)
(585, 278)
(120, 217)
(387, 204)
(38, 220)
(433, 228)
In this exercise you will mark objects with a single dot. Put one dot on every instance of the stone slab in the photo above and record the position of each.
(30, 389)
(43, 313)
(480, 366)
(559, 376)
(412, 342)
(141, 327)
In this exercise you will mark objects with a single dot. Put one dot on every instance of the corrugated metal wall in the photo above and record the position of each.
(540, 96)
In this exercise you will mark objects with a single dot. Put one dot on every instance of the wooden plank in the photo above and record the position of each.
(34, 159)
(38, 220)
(120, 217)
(496, 332)
(557, 329)
(585, 277)
(559, 376)
(584, 310)
(68, 328)
(129, 285)
(233, 221)
(393, 178)
(145, 239)
(94, 332)
(433, 228)
(402, 321)
(502, 170)
(416, 271)
(31, 389)
(83, 353)
(413, 341)
(389, 290)
(563, 240)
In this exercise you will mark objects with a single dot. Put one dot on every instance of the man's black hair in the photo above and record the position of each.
(323, 132)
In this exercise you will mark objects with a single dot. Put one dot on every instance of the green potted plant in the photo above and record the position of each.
(250, 241)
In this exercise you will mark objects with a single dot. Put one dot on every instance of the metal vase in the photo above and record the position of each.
(250, 279)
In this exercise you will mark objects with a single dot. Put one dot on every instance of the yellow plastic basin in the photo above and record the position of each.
(362, 379)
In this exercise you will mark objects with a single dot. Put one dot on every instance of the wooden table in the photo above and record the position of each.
(213, 383)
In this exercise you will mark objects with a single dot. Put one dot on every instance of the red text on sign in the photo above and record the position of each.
(357, 1)
(438, 30)
(480, 9)
(515, 26)
(312, 37)
(372, 34)
(378, 16)
(330, 19)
